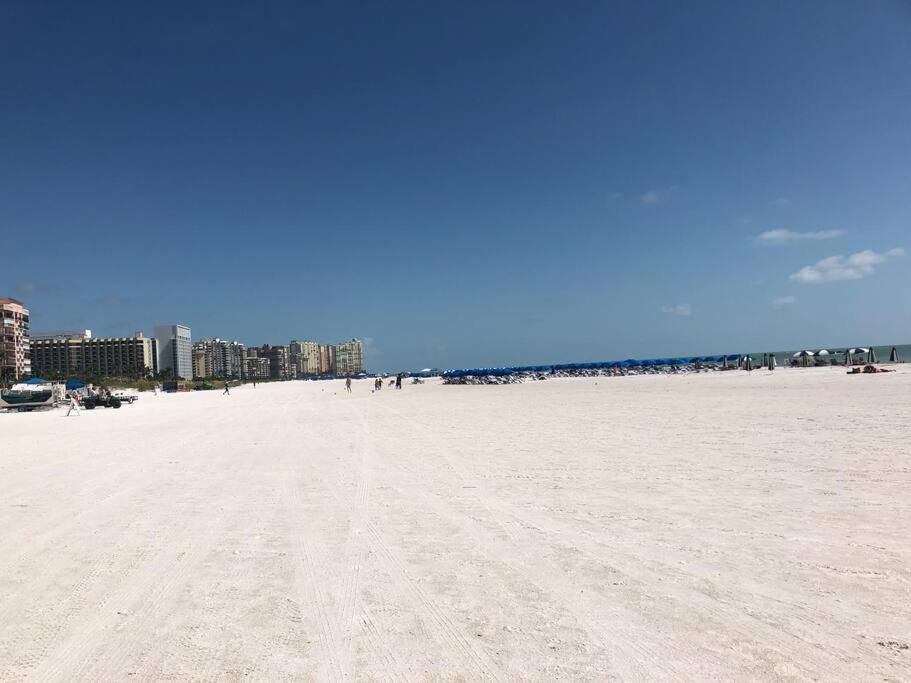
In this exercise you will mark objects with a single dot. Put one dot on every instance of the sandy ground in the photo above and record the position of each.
(726, 526)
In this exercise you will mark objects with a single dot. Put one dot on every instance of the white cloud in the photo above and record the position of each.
(658, 195)
(370, 348)
(650, 197)
(783, 236)
(853, 267)
(614, 196)
(783, 301)
(679, 309)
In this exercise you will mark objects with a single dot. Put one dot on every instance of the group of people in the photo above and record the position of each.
(378, 383)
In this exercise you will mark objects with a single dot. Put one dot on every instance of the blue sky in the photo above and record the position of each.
(462, 184)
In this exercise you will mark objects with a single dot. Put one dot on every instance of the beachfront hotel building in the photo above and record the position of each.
(175, 350)
(279, 361)
(219, 358)
(326, 359)
(305, 358)
(256, 367)
(349, 357)
(202, 364)
(15, 351)
(62, 354)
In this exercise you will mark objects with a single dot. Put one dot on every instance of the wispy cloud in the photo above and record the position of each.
(679, 309)
(370, 347)
(779, 202)
(658, 194)
(783, 301)
(853, 267)
(650, 197)
(780, 236)
(615, 196)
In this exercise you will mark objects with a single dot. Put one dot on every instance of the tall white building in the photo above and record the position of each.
(175, 350)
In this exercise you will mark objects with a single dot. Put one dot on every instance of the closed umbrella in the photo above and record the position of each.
(871, 356)
(894, 357)
(772, 361)
(747, 363)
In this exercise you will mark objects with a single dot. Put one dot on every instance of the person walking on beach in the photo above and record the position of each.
(227, 389)
(398, 381)
(74, 405)
(348, 384)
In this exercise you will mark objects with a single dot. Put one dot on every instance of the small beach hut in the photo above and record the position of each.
(894, 356)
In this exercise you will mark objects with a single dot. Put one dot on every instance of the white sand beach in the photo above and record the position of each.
(718, 526)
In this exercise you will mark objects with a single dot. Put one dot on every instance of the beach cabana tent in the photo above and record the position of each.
(894, 356)
(804, 355)
(851, 353)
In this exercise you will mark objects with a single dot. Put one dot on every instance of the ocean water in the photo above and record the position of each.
(882, 353)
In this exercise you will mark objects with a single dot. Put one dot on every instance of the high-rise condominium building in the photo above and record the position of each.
(349, 357)
(218, 358)
(305, 357)
(175, 350)
(202, 363)
(326, 359)
(256, 366)
(279, 361)
(68, 354)
(15, 355)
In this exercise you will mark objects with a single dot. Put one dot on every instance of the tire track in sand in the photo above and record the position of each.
(309, 584)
